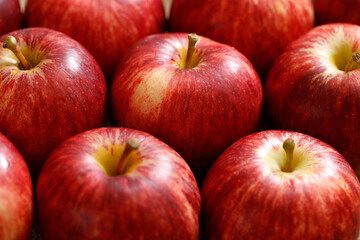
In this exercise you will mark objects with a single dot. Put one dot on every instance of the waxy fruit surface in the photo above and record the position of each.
(64, 93)
(157, 197)
(248, 195)
(198, 111)
(309, 89)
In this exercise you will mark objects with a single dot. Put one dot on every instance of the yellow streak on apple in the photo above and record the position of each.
(149, 94)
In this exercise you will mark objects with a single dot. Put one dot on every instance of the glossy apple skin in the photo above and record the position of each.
(246, 196)
(10, 16)
(105, 28)
(200, 111)
(160, 199)
(307, 92)
(16, 194)
(260, 29)
(64, 94)
(331, 11)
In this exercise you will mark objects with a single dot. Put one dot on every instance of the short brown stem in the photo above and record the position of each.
(354, 61)
(289, 146)
(10, 43)
(131, 145)
(193, 38)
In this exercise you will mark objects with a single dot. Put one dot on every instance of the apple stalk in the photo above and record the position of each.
(355, 60)
(10, 43)
(193, 38)
(289, 146)
(125, 161)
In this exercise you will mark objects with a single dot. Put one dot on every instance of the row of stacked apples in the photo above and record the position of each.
(125, 131)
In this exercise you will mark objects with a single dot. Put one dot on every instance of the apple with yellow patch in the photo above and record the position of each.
(281, 185)
(197, 95)
(117, 183)
(314, 87)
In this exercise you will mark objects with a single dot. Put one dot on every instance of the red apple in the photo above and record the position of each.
(10, 15)
(198, 104)
(117, 183)
(314, 87)
(328, 11)
(260, 29)
(105, 28)
(16, 194)
(281, 185)
(61, 94)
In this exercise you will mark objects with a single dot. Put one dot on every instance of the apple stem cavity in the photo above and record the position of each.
(10, 43)
(289, 146)
(193, 39)
(132, 144)
(355, 60)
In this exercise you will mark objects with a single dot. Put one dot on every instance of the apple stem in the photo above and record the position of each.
(355, 60)
(132, 144)
(10, 43)
(289, 146)
(193, 38)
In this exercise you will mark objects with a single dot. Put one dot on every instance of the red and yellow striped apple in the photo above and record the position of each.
(314, 87)
(281, 185)
(199, 99)
(57, 90)
(117, 183)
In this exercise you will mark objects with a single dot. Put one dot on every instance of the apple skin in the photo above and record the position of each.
(105, 28)
(10, 16)
(65, 93)
(260, 29)
(159, 199)
(336, 11)
(308, 91)
(198, 111)
(246, 195)
(16, 194)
